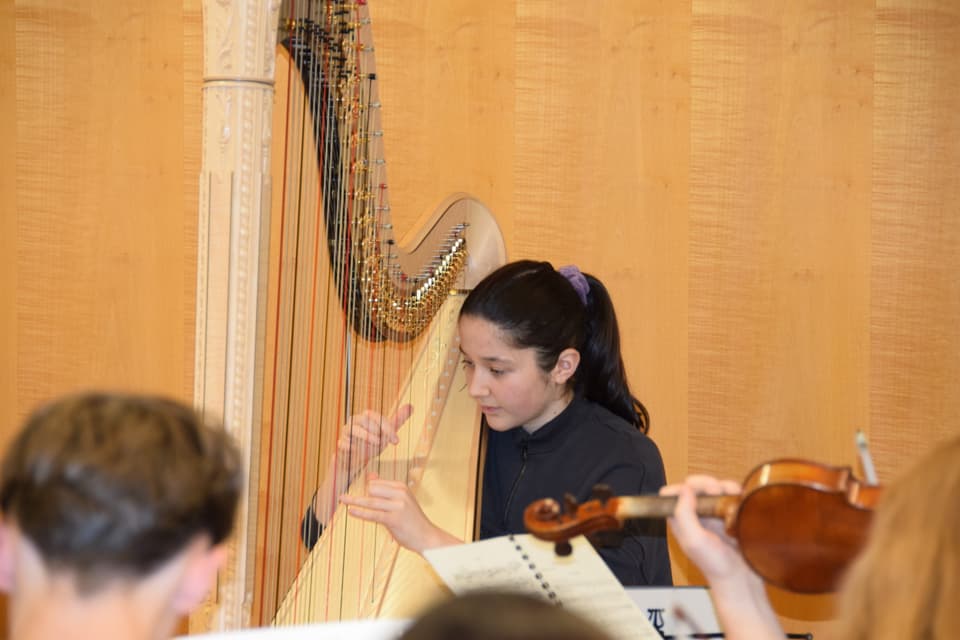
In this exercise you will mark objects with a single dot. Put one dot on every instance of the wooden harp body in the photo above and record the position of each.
(309, 311)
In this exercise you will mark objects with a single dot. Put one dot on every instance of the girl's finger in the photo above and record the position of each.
(671, 489)
(401, 415)
(704, 484)
(369, 515)
(369, 503)
(387, 489)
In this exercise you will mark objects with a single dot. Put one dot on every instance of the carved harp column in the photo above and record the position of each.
(235, 186)
(309, 311)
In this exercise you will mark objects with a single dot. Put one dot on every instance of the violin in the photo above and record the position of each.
(797, 523)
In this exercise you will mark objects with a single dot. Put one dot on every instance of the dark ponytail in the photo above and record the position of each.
(601, 376)
(538, 308)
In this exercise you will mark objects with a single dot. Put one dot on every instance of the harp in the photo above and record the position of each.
(309, 310)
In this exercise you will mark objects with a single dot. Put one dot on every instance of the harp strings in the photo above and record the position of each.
(352, 313)
(330, 360)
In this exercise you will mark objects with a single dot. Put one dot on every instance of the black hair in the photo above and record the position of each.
(106, 484)
(537, 307)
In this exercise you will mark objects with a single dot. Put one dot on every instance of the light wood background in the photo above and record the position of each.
(768, 188)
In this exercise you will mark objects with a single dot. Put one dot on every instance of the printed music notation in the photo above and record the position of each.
(580, 582)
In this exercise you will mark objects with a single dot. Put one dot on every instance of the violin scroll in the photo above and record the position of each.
(546, 520)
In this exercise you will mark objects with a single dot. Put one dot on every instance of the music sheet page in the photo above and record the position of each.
(580, 582)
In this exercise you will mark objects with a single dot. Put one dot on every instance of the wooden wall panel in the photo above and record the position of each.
(915, 241)
(192, 61)
(8, 236)
(102, 199)
(8, 221)
(780, 210)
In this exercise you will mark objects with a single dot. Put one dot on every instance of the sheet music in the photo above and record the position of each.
(677, 611)
(580, 582)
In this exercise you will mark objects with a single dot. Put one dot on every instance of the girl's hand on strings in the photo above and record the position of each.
(369, 432)
(705, 541)
(391, 503)
(361, 438)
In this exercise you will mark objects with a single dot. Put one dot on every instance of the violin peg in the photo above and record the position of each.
(546, 510)
(563, 549)
(570, 503)
(602, 492)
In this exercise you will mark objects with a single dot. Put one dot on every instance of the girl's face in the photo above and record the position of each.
(508, 384)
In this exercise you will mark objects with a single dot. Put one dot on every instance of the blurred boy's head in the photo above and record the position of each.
(105, 489)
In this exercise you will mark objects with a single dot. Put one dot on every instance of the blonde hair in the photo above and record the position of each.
(906, 581)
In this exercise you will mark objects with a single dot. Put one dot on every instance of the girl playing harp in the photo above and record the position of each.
(541, 352)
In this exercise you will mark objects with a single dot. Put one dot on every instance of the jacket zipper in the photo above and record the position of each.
(516, 483)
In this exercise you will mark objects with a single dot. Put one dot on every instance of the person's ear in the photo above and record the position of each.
(567, 363)
(200, 572)
(8, 555)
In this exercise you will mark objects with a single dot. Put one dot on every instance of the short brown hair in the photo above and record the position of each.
(105, 484)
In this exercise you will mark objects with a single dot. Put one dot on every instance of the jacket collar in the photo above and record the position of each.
(552, 435)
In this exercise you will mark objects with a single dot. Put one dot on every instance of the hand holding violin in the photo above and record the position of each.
(738, 595)
(705, 541)
(798, 524)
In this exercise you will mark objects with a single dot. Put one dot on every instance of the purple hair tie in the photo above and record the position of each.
(577, 280)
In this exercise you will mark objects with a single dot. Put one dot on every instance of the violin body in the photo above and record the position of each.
(798, 523)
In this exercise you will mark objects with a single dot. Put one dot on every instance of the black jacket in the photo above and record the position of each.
(583, 446)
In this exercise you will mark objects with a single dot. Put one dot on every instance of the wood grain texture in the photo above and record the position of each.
(915, 262)
(8, 222)
(9, 414)
(101, 199)
(779, 214)
(192, 61)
